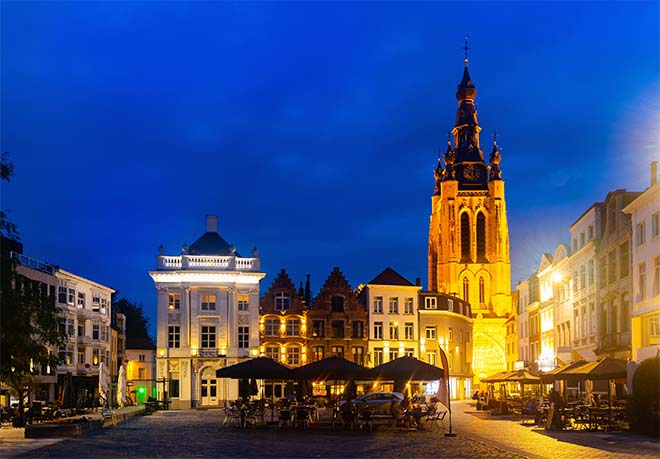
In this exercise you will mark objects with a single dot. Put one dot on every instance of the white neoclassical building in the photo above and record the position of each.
(208, 318)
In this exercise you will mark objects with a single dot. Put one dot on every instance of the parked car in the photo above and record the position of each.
(379, 403)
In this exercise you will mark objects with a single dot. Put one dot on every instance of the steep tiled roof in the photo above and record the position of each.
(390, 277)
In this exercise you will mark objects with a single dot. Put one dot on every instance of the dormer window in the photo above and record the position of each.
(337, 303)
(282, 301)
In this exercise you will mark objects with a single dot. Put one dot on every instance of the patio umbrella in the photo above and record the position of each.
(523, 377)
(121, 387)
(254, 389)
(605, 368)
(331, 368)
(243, 388)
(257, 368)
(497, 377)
(407, 369)
(103, 384)
(552, 375)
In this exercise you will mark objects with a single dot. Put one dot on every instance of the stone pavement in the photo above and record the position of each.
(198, 433)
(13, 441)
(535, 442)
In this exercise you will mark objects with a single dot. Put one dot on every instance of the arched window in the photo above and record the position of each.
(466, 289)
(465, 238)
(481, 237)
(482, 291)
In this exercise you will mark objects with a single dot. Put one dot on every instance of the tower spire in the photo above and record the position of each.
(466, 48)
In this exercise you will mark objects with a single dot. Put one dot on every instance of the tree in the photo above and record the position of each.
(29, 317)
(136, 322)
(644, 402)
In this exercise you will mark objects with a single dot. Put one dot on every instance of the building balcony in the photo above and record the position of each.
(211, 263)
(613, 342)
(209, 352)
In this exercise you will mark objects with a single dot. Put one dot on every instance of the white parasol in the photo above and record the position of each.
(121, 387)
(103, 384)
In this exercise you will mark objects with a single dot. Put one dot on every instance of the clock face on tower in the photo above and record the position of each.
(471, 172)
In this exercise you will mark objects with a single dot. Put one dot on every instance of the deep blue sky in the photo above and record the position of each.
(311, 129)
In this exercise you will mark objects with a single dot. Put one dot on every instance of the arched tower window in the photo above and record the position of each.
(481, 237)
(466, 289)
(482, 291)
(465, 238)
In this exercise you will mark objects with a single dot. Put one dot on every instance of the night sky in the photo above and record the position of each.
(310, 129)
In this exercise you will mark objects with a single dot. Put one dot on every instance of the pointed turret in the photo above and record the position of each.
(495, 158)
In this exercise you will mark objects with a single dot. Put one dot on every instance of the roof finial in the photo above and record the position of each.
(495, 136)
(466, 48)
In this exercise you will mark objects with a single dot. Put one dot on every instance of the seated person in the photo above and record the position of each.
(348, 412)
(398, 413)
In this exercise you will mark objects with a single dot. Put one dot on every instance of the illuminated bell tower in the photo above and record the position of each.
(468, 235)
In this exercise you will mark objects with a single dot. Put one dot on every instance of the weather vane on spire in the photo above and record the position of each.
(495, 136)
(466, 48)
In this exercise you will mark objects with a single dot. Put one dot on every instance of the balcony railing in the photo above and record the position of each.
(613, 341)
(209, 352)
(33, 264)
(211, 263)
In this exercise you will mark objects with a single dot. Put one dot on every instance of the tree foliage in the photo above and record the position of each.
(137, 323)
(29, 317)
(644, 403)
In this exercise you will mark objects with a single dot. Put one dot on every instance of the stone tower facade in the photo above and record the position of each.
(468, 235)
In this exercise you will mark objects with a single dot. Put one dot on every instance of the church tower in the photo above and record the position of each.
(468, 235)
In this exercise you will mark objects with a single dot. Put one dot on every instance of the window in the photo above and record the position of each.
(174, 386)
(96, 301)
(465, 238)
(81, 356)
(357, 353)
(611, 268)
(141, 358)
(378, 356)
(293, 355)
(337, 303)
(318, 328)
(338, 351)
(208, 337)
(624, 259)
(641, 233)
(611, 217)
(430, 303)
(71, 298)
(208, 302)
(96, 355)
(655, 224)
(590, 232)
(582, 278)
(142, 374)
(654, 326)
(378, 330)
(583, 322)
(582, 241)
(95, 331)
(625, 313)
(656, 276)
(318, 352)
(378, 305)
(293, 327)
(337, 329)
(482, 291)
(394, 306)
(641, 269)
(466, 289)
(243, 302)
(104, 333)
(602, 272)
(243, 337)
(282, 301)
(408, 331)
(70, 327)
(173, 301)
(450, 305)
(451, 334)
(481, 237)
(81, 300)
(408, 306)
(104, 304)
(272, 327)
(575, 246)
(409, 352)
(358, 329)
(61, 295)
(173, 336)
(591, 272)
(81, 330)
(430, 358)
(273, 352)
(431, 332)
(394, 330)
(394, 354)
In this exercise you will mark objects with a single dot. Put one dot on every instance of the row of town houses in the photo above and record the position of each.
(95, 335)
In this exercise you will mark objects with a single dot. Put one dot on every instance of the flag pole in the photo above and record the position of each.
(445, 368)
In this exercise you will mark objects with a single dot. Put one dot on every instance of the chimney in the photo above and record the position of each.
(654, 172)
(418, 282)
(211, 223)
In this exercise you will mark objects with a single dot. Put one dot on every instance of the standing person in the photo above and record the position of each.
(557, 403)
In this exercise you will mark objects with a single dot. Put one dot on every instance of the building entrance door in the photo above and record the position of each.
(209, 387)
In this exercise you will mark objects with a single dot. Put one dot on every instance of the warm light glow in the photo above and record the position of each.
(556, 276)
(386, 344)
(193, 351)
(162, 352)
(254, 352)
(206, 277)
